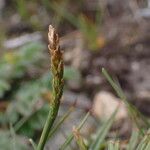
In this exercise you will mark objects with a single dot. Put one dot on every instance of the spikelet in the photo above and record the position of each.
(56, 64)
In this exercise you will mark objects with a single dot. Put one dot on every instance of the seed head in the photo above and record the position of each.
(57, 65)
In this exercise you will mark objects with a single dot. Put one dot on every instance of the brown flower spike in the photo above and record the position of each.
(56, 64)
(57, 68)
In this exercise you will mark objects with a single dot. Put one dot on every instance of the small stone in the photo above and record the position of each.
(105, 104)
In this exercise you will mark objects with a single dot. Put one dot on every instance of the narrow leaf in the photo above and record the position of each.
(116, 145)
(33, 144)
(133, 112)
(148, 145)
(13, 134)
(57, 126)
(133, 140)
(70, 137)
(102, 132)
(79, 139)
(111, 146)
(143, 143)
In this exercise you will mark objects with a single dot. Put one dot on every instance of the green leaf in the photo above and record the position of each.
(116, 145)
(35, 121)
(33, 144)
(61, 121)
(144, 143)
(64, 13)
(4, 86)
(89, 30)
(133, 140)
(79, 140)
(113, 145)
(13, 134)
(102, 132)
(148, 146)
(6, 142)
(13, 65)
(133, 112)
(70, 137)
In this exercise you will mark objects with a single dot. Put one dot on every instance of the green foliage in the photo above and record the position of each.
(86, 26)
(33, 144)
(22, 9)
(89, 31)
(24, 113)
(113, 146)
(25, 100)
(60, 122)
(100, 142)
(145, 143)
(27, 109)
(70, 137)
(14, 65)
(133, 140)
(133, 112)
(33, 122)
(4, 86)
(8, 142)
(79, 140)
(102, 132)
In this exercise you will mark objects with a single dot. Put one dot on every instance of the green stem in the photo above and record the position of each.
(57, 84)
(49, 122)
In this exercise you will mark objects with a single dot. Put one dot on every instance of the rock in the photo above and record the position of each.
(19, 41)
(105, 104)
(80, 100)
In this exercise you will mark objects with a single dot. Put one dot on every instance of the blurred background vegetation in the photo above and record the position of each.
(93, 34)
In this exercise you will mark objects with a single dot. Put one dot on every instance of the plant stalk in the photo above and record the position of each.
(57, 84)
(49, 122)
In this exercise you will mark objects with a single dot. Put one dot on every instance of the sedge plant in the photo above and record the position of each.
(57, 69)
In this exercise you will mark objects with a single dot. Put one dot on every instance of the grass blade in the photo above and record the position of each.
(148, 145)
(133, 112)
(70, 137)
(33, 144)
(142, 145)
(13, 134)
(111, 146)
(116, 145)
(133, 140)
(79, 139)
(102, 132)
(63, 13)
(56, 127)
(144, 142)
